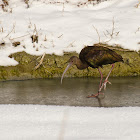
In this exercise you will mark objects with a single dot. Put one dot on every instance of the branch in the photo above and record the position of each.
(11, 30)
(71, 44)
(137, 30)
(97, 33)
(114, 47)
(111, 35)
(20, 36)
(137, 6)
(40, 62)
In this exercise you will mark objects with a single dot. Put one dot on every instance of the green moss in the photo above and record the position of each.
(53, 66)
(3, 74)
(14, 72)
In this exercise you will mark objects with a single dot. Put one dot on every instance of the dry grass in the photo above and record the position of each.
(137, 6)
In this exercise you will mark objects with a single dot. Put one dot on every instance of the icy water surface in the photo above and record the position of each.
(73, 92)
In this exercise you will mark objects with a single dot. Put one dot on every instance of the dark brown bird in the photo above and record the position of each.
(95, 57)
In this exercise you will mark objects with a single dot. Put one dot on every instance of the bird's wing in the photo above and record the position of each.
(94, 57)
(100, 56)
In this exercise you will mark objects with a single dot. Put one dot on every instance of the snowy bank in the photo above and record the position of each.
(66, 26)
(34, 122)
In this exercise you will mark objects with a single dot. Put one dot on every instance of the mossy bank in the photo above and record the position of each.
(53, 66)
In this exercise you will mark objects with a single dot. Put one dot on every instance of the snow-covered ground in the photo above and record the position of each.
(67, 26)
(36, 122)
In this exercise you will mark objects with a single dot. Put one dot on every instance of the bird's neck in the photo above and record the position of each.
(80, 65)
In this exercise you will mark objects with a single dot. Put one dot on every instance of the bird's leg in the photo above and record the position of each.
(101, 78)
(99, 91)
(106, 80)
(101, 85)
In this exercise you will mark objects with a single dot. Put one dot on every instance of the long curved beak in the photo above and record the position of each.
(69, 65)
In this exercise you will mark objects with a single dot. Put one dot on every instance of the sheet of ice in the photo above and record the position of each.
(68, 26)
(40, 122)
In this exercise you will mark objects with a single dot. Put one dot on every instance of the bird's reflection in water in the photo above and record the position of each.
(99, 99)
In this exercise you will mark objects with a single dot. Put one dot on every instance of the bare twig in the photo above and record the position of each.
(3, 6)
(63, 8)
(15, 44)
(11, 30)
(113, 28)
(60, 36)
(105, 34)
(71, 44)
(2, 43)
(119, 49)
(1, 30)
(40, 62)
(46, 69)
(97, 33)
(137, 6)
(45, 38)
(113, 33)
(35, 30)
(137, 30)
(11, 10)
(5, 2)
(34, 37)
(52, 43)
(114, 47)
(30, 23)
(20, 36)
(27, 2)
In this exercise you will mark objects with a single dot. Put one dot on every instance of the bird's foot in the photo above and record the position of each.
(104, 84)
(95, 95)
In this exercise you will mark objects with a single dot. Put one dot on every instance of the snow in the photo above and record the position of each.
(67, 26)
(34, 122)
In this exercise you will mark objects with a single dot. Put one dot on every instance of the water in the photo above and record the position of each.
(73, 92)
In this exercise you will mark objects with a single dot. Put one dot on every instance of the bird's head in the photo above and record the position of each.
(71, 61)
